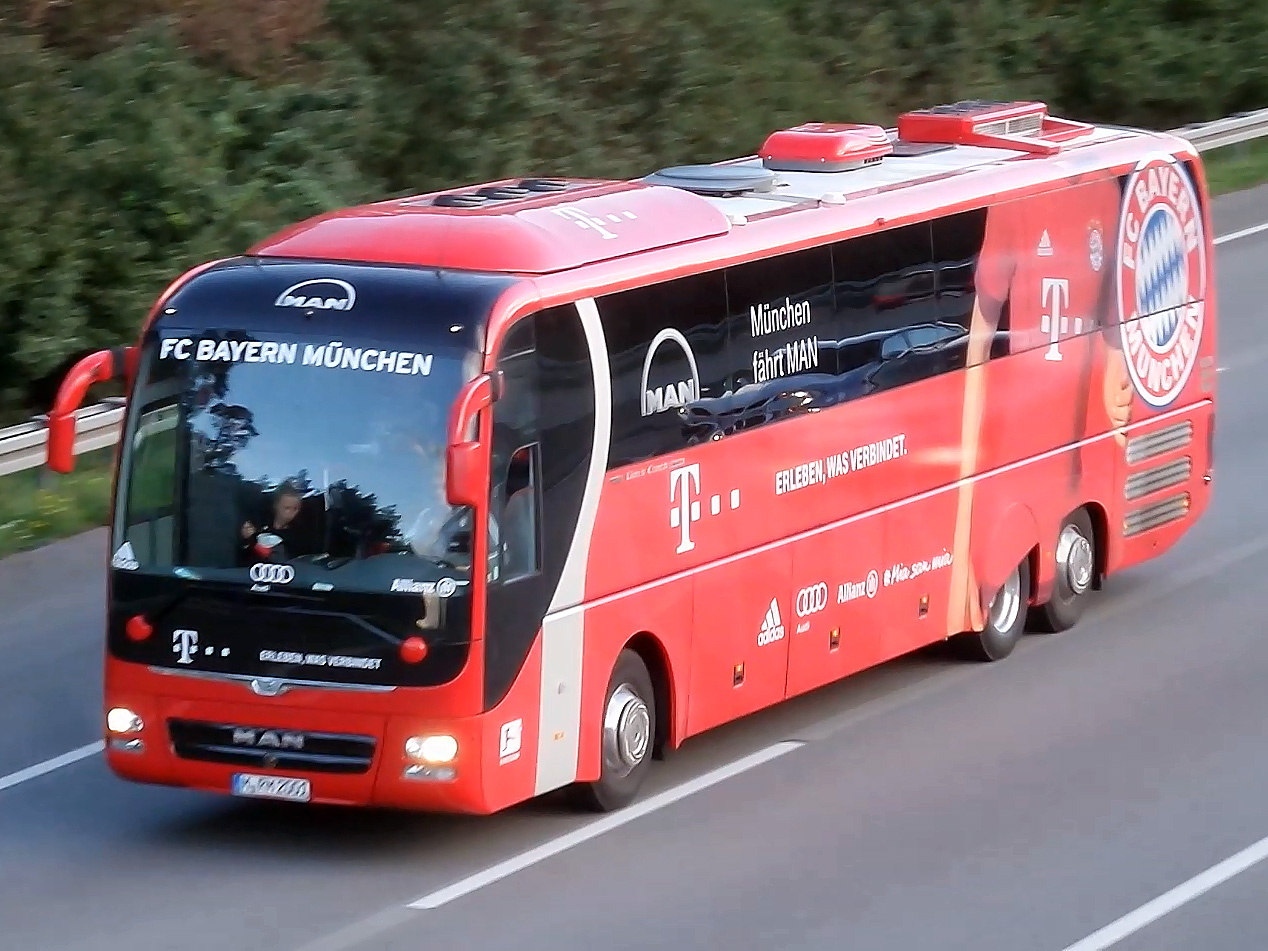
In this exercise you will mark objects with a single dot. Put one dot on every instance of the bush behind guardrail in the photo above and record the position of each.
(126, 157)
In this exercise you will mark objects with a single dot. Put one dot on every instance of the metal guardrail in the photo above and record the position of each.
(22, 447)
(97, 427)
(1228, 131)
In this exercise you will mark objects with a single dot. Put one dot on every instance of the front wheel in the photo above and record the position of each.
(1005, 621)
(629, 726)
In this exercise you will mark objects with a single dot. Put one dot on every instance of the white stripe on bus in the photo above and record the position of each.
(563, 640)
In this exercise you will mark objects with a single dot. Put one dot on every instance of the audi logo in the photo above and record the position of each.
(272, 574)
(812, 600)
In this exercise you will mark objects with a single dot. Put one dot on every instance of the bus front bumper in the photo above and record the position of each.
(272, 751)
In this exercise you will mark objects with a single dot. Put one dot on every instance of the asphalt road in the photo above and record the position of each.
(929, 804)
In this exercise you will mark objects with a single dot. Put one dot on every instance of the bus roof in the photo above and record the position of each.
(834, 177)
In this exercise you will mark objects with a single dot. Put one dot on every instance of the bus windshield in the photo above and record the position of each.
(245, 452)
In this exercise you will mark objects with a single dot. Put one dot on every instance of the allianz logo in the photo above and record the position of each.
(410, 586)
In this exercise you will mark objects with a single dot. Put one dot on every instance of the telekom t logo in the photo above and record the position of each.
(683, 485)
(185, 643)
(684, 502)
(1056, 320)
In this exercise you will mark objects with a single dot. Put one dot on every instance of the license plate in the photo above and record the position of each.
(272, 787)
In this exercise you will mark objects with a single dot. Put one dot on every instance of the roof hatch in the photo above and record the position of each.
(487, 195)
(715, 180)
(825, 147)
(1023, 126)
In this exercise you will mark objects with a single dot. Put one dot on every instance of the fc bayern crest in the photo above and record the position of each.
(1161, 278)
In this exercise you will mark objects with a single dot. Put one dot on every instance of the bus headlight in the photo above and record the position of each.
(123, 720)
(435, 750)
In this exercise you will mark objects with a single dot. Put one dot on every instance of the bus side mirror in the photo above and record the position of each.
(100, 367)
(466, 459)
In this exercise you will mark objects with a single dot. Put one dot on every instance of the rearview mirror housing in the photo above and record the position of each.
(466, 458)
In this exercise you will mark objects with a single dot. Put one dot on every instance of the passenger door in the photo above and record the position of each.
(517, 592)
(542, 443)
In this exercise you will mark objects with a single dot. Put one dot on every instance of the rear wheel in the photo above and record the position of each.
(629, 726)
(1076, 572)
(1005, 620)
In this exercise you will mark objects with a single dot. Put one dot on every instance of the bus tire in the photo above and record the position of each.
(1005, 619)
(628, 733)
(1075, 575)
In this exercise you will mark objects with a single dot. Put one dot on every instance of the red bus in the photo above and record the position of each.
(453, 500)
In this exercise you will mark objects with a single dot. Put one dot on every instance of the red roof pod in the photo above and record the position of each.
(825, 147)
(1023, 126)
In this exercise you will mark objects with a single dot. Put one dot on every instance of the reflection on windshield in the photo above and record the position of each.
(230, 465)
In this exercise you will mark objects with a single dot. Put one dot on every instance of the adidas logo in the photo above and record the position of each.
(1045, 245)
(772, 629)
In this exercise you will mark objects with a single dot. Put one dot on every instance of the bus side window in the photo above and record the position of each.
(667, 350)
(892, 328)
(957, 244)
(519, 535)
(782, 330)
(514, 500)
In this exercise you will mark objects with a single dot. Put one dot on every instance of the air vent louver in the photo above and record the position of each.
(492, 194)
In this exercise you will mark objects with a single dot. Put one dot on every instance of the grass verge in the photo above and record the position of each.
(38, 507)
(1236, 167)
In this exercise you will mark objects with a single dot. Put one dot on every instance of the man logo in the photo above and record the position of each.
(1161, 279)
(268, 739)
(264, 573)
(325, 293)
(672, 395)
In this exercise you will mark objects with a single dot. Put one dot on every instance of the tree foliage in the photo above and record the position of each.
(139, 137)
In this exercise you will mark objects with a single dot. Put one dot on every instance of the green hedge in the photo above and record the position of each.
(138, 137)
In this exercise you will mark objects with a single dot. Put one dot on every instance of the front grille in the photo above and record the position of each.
(270, 748)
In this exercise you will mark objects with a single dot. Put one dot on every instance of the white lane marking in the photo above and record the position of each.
(1168, 902)
(57, 762)
(1244, 233)
(597, 828)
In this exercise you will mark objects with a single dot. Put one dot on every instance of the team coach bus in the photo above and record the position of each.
(452, 500)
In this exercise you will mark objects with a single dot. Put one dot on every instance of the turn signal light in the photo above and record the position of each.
(138, 628)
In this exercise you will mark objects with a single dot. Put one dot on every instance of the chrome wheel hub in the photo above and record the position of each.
(1007, 603)
(1074, 560)
(627, 727)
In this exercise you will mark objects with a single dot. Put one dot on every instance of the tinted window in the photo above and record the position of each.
(781, 342)
(667, 349)
(893, 326)
(957, 244)
(335, 471)
(513, 525)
